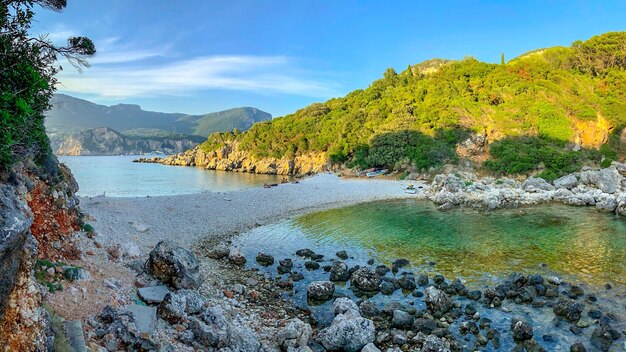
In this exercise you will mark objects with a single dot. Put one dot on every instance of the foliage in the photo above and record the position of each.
(544, 93)
(522, 155)
(27, 80)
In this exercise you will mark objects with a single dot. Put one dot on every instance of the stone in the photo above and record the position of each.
(320, 290)
(578, 347)
(382, 270)
(343, 305)
(264, 259)
(220, 251)
(144, 317)
(370, 347)
(422, 280)
(387, 287)
(575, 291)
(433, 343)
(437, 301)
(522, 331)
(365, 279)
(242, 339)
(401, 319)
(305, 253)
(177, 305)
(368, 309)
(342, 255)
(296, 333)
(236, 257)
(425, 326)
(75, 337)
(603, 336)
(474, 295)
(536, 184)
(174, 266)
(568, 309)
(568, 182)
(606, 203)
(153, 294)
(407, 282)
(348, 332)
(339, 272)
(130, 250)
(311, 265)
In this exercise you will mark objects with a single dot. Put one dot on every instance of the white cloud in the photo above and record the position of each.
(135, 74)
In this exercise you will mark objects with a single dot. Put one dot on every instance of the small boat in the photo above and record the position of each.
(410, 189)
(376, 173)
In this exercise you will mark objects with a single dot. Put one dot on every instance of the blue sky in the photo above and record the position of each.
(202, 56)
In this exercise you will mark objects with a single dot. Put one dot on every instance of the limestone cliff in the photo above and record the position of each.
(106, 141)
(230, 157)
(38, 216)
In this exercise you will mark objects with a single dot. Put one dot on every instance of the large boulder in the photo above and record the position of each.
(296, 333)
(621, 204)
(437, 301)
(566, 182)
(606, 203)
(320, 290)
(348, 332)
(339, 272)
(568, 309)
(174, 266)
(365, 279)
(177, 305)
(607, 180)
(536, 184)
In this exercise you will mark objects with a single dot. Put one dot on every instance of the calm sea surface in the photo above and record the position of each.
(118, 176)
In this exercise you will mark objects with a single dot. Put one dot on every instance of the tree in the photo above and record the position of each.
(27, 79)
(502, 59)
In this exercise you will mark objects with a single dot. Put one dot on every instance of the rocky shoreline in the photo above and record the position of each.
(604, 189)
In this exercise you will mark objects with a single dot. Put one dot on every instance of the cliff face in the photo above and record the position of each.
(38, 215)
(106, 141)
(231, 158)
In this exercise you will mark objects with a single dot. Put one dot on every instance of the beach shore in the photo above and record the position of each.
(187, 219)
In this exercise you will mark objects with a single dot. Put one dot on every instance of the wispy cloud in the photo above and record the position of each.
(122, 72)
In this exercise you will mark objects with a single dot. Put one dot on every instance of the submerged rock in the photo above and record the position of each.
(264, 259)
(522, 331)
(339, 272)
(174, 266)
(365, 279)
(437, 301)
(320, 290)
(568, 309)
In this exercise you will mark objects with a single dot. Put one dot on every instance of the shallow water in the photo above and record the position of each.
(118, 176)
(481, 248)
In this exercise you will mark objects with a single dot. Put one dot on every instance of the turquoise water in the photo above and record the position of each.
(576, 243)
(118, 176)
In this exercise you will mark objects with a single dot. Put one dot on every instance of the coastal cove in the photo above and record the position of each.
(118, 176)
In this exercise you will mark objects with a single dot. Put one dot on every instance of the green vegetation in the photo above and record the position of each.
(61, 341)
(520, 155)
(547, 93)
(52, 274)
(27, 81)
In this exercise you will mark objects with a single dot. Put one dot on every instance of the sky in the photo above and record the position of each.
(279, 56)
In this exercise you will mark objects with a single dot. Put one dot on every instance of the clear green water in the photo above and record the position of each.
(118, 176)
(577, 243)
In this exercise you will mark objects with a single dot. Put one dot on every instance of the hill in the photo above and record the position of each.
(106, 141)
(73, 115)
(546, 111)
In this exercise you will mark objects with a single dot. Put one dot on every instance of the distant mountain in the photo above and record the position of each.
(106, 141)
(73, 115)
(70, 114)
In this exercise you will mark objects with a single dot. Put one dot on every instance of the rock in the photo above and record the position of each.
(387, 287)
(433, 343)
(603, 336)
(568, 309)
(311, 265)
(400, 263)
(401, 319)
(606, 203)
(554, 280)
(536, 184)
(578, 347)
(264, 259)
(522, 331)
(75, 337)
(296, 333)
(339, 272)
(297, 276)
(76, 274)
(568, 182)
(218, 252)
(370, 347)
(144, 317)
(174, 266)
(474, 295)
(153, 294)
(320, 290)
(425, 326)
(176, 305)
(236, 257)
(368, 309)
(348, 332)
(575, 291)
(365, 279)
(342, 255)
(407, 282)
(422, 279)
(621, 203)
(343, 305)
(437, 301)
(242, 339)
(139, 226)
(305, 253)
(382, 270)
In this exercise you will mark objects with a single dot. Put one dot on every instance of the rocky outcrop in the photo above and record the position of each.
(605, 189)
(106, 141)
(231, 157)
